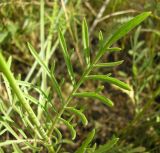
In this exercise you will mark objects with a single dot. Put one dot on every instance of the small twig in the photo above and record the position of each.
(116, 14)
(99, 15)
(90, 8)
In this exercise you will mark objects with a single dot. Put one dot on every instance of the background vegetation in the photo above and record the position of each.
(135, 117)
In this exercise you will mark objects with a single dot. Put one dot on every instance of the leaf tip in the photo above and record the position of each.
(73, 137)
(110, 103)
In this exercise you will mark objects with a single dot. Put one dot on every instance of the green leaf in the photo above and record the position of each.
(106, 147)
(100, 36)
(114, 49)
(70, 127)
(52, 77)
(126, 27)
(120, 32)
(109, 79)
(66, 56)
(94, 95)
(85, 37)
(86, 142)
(79, 113)
(110, 64)
(59, 134)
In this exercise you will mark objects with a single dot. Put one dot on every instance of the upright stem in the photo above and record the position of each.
(86, 72)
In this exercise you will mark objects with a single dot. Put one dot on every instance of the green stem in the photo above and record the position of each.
(69, 99)
(25, 104)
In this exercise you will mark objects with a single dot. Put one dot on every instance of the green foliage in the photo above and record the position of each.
(125, 28)
(110, 64)
(66, 57)
(39, 116)
(108, 146)
(70, 127)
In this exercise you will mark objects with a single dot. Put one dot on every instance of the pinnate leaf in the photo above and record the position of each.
(106, 147)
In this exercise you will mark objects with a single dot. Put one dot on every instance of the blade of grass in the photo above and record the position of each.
(85, 38)
(78, 113)
(66, 57)
(110, 64)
